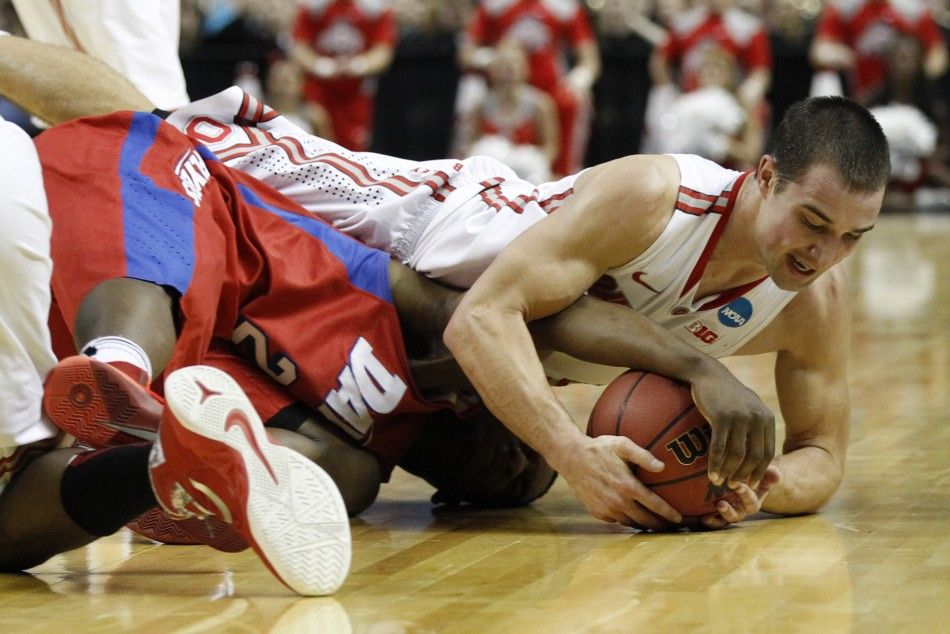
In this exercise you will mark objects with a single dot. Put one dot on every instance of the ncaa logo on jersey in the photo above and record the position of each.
(736, 313)
(193, 174)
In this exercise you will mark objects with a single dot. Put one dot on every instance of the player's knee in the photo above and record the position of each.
(354, 470)
(16, 552)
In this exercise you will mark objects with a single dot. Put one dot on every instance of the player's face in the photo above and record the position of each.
(807, 227)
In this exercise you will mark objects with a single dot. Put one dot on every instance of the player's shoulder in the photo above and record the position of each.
(819, 317)
(646, 180)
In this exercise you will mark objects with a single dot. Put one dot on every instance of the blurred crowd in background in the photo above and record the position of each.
(551, 86)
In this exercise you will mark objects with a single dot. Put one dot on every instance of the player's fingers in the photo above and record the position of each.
(753, 458)
(748, 500)
(634, 454)
(770, 478)
(768, 452)
(728, 512)
(713, 521)
(734, 453)
(717, 452)
(654, 503)
(641, 517)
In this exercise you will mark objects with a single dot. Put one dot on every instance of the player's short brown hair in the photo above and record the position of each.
(833, 131)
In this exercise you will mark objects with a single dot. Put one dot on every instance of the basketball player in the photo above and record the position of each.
(730, 262)
(54, 498)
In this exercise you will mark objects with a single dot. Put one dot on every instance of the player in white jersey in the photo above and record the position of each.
(449, 219)
(715, 255)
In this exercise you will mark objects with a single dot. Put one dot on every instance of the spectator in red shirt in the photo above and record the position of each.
(342, 45)
(716, 23)
(547, 30)
(855, 36)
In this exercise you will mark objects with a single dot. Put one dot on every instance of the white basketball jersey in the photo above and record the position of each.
(449, 219)
(662, 282)
(445, 218)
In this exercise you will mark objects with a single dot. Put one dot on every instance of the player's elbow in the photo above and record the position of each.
(461, 331)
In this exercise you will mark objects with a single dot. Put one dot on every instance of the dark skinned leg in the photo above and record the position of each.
(139, 311)
(34, 523)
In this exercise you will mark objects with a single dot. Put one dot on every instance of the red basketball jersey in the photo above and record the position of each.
(130, 196)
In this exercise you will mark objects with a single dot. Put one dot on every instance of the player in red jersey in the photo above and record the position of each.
(547, 30)
(856, 36)
(342, 45)
(54, 497)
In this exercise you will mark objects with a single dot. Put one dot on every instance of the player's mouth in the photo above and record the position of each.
(798, 267)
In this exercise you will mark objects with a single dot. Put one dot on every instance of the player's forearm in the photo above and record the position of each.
(496, 353)
(600, 332)
(58, 84)
(810, 477)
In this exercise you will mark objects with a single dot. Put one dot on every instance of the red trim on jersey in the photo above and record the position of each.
(555, 202)
(685, 196)
(728, 296)
(700, 267)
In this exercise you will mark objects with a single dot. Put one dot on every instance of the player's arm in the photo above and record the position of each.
(57, 84)
(543, 271)
(811, 381)
(811, 377)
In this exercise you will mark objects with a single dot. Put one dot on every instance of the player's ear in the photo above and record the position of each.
(766, 175)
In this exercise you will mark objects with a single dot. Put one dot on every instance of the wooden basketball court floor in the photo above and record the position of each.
(877, 559)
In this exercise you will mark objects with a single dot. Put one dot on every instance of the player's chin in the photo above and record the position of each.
(789, 277)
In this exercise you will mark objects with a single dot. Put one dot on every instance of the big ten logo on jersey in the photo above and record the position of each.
(691, 445)
(702, 332)
(193, 174)
(365, 385)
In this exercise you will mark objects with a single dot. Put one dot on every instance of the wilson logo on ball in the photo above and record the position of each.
(691, 445)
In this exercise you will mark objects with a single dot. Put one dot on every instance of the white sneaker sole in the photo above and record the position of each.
(299, 526)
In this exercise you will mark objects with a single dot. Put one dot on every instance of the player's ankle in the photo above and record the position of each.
(123, 354)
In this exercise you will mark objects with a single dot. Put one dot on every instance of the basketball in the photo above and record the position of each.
(659, 415)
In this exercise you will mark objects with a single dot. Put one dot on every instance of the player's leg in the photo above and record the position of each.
(354, 469)
(66, 498)
(213, 458)
(477, 460)
(131, 309)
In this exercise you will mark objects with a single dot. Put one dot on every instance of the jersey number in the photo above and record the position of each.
(253, 341)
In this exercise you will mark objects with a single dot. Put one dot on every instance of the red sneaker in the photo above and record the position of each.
(99, 404)
(102, 406)
(213, 458)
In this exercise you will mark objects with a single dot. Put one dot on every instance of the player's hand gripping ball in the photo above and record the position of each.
(659, 415)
